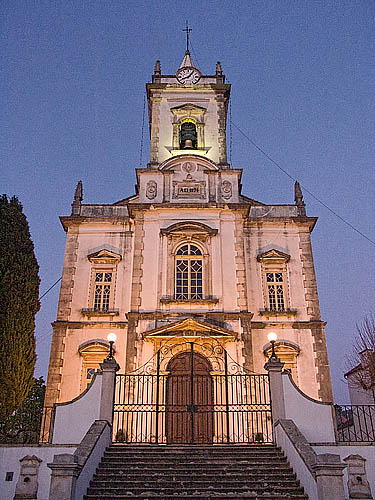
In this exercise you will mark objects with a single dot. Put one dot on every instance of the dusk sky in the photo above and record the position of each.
(302, 75)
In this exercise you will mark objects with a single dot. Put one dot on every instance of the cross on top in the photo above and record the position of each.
(187, 30)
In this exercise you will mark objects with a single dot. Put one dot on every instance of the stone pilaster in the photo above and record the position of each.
(275, 367)
(136, 291)
(109, 368)
(67, 281)
(313, 311)
(221, 133)
(155, 125)
(240, 265)
(329, 477)
(55, 365)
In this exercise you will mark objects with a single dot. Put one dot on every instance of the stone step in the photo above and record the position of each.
(151, 472)
(199, 484)
(270, 463)
(213, 475)
(193, 452)
(205, 496)
(173, 489)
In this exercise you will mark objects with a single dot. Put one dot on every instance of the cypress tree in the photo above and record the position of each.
(19, 292)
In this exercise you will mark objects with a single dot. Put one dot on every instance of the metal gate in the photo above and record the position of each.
(192, 403)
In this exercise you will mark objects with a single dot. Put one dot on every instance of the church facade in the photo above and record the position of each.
(188, 259)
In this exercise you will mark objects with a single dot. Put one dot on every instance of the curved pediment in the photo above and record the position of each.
(189, 163)
(186, 227)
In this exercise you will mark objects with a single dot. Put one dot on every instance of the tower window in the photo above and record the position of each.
(275, 287)
(188, 136)
(103, 282)
(189, 272)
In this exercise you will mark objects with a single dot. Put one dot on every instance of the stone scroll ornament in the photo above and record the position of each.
(151, 190)
(226, 190)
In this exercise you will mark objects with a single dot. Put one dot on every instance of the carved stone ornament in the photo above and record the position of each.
(151, 190)
(226, 190)
(189, 167)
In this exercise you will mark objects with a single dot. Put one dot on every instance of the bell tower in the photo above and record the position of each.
(188, 114)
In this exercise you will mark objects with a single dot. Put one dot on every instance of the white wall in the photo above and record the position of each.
(313, 418)
(10, 456)
(74, 418)
(299, 467)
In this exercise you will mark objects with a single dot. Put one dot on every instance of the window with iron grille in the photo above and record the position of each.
(189, 272)
(275, 289)
(103, 283)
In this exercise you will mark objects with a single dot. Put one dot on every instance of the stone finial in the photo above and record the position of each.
(298, 198)
(77, 200)
(157, 69)
(219, 69)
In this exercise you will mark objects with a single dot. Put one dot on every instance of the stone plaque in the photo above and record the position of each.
(189, 189)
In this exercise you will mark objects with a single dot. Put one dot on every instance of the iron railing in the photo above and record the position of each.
(355, 423)
(27, 427)
(193, 408)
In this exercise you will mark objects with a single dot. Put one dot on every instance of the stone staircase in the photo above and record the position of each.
(186, 472)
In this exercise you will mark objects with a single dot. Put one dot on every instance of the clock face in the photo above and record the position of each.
(188, 75)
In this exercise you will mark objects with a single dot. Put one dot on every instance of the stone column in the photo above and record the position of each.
(274, 367)
(65, 470)
(329, 477)
(109, 368)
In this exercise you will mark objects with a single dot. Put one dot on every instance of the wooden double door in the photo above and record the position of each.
(189, 400)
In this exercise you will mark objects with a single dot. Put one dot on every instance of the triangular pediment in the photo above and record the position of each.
(189, 327)
(189, 107)
(273, 255)
(104, 256)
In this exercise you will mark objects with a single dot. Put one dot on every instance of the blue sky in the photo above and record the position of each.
(302, 75)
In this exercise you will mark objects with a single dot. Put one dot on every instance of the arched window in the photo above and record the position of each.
(189, 272)
(188, 135)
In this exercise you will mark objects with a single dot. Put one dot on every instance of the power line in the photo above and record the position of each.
(50, 288)
(143, 132)
(304, 187)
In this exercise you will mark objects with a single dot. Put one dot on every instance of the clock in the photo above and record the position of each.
(188, 75)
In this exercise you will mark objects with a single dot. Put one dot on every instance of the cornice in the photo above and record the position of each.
(225, 315)
(298, 325)
(252, 222)
(75, 220)
(83, 324)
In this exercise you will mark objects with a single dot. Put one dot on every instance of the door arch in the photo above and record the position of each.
(189, 399)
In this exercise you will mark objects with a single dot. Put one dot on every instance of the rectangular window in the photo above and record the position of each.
(275, 287)
(103, 283)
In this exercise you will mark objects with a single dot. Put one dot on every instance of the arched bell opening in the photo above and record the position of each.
(189, 399)
(188, 135)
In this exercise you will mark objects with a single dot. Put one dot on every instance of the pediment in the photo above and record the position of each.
(188, 163)
(189, 227)
(104, 256)
(188, 107)
(273, 255)
(189, 327)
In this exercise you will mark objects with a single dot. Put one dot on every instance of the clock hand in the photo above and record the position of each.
(188, 76)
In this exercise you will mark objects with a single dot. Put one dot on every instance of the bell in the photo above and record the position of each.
(188, 144)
